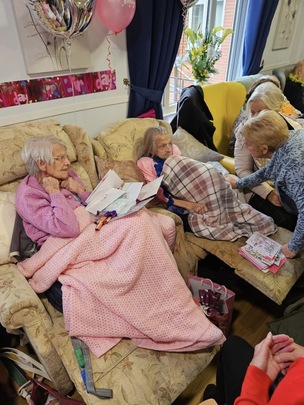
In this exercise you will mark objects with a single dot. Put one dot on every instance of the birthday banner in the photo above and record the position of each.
(52, 88)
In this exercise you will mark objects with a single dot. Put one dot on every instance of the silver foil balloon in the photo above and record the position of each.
(65, 18)
(188, 3)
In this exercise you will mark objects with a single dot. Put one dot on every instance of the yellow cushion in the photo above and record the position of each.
(228, 163)
(225, 101)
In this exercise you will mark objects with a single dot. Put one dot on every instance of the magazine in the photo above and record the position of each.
(112, 194)
(263, 252)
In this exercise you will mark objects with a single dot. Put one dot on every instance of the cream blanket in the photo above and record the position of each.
(122, 282)
(227, 217)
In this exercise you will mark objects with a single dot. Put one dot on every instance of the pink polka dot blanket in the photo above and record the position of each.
(122, 281)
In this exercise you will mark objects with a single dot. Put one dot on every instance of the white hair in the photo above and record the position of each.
(269, 94)
(39, 147)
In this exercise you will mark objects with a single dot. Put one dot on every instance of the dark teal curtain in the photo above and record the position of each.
(153, 38)
(259, 18)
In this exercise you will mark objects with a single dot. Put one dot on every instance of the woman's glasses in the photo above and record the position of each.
(61, 159)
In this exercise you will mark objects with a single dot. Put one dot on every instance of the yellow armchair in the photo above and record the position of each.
(225, 101)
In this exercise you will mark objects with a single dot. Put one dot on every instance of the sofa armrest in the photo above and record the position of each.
(228, 163)
(19, 303)
(185, 256)
(22, 308)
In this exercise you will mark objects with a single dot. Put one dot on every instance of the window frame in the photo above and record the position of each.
(234, 67)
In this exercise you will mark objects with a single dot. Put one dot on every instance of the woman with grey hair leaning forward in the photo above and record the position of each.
(266, 135)
(263, 197)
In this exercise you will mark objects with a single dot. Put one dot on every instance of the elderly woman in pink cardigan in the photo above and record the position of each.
(152, 151)
(110, 284)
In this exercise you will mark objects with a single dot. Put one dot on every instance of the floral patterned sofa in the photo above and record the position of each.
(135, 375)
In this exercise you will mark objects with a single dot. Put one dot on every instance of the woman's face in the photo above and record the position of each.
(256, 151)
(256, 106)
(163, 145)
(58, 169)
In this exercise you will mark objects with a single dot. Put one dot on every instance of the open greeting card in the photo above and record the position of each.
(263, 252)
(112, 194)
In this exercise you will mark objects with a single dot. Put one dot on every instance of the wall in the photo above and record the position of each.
(285, 57)
(91, 111)
(94, 112)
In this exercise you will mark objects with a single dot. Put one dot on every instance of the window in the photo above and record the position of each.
(207, 14)
(198, 14)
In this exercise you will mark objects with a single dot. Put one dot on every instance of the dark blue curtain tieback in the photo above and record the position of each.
(149, 94)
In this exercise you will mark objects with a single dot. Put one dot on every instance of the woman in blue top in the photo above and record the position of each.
(266, 135)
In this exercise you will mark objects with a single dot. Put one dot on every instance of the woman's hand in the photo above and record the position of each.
(274, 199)
(264, 359)
(287, 252)
(232, 180)
(288, 354)
(281, 342)
(199, 208)
(50, 185)
(72, 185)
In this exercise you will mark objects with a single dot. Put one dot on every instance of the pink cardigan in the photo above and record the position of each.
(146, 165)
(46, 214)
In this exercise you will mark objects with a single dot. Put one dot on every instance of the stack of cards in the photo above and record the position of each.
(263, 252)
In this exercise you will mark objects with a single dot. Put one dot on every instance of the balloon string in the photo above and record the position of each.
(69, 57)
(184, 15)
(40, 36)
(109, 52)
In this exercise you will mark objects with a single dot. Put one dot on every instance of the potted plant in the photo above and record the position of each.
(204, 50)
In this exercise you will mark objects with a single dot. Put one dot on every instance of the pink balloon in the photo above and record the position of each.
(116, 15)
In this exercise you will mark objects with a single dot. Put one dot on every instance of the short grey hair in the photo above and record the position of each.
(269, 94)
(39, 147)
(267, 128)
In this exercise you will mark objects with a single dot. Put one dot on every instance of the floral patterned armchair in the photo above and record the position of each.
(135, 375)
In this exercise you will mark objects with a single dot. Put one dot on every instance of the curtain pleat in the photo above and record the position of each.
(259, 18)
(153, 38)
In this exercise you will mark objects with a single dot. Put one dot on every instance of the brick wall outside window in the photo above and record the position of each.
(181, 75)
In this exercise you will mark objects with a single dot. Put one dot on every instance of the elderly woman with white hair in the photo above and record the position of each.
(110, 278)
(266, 135)
(264, 198)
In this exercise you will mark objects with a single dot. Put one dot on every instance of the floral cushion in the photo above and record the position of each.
(78, 168)
(7, 215)
(83, 145)
(12, 140)
(127, 170)
(98, 149)
(119, 139)
(192, 148)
